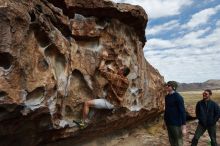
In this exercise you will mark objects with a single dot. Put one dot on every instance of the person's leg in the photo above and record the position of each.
(96, 103)
(170, 135)
(212, 135)
(199, 132)
(86, 107)
(178, 136)
(175, 135)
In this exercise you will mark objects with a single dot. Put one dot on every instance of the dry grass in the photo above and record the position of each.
(192, 97)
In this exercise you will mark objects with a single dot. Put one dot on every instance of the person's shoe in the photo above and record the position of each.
(115, 109)
(81, 124)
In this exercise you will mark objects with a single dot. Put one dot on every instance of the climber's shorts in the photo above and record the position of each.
(102, 104)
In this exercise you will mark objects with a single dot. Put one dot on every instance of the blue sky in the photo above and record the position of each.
(183, 38)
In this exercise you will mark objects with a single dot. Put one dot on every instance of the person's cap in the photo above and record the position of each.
(173, 84)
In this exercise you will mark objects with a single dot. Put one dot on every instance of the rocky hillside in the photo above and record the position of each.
(210, 84)
(50, 52)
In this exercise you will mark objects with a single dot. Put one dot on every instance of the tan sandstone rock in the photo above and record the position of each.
(49, 59)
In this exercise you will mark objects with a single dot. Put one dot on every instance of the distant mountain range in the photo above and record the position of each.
(210, 84)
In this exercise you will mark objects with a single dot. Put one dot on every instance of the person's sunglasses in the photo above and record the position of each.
(204, 94)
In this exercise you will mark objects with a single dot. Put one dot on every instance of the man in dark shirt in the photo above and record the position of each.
(174, 116)
(207, 112)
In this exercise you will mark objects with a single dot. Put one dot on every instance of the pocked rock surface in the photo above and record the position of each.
(50, 52)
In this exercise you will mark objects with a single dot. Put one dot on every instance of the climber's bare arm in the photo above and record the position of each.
(103, 56)
(120, 99)
(102, 65)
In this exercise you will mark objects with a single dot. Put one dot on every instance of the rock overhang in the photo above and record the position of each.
(132, 15)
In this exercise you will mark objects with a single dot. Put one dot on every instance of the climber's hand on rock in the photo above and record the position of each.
(184, 129)
(164, 126)
(104, 54)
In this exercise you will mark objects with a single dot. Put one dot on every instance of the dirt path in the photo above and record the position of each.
(149, 135)
(154, 134)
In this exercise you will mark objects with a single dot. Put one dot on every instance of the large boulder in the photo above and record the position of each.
(49, 58)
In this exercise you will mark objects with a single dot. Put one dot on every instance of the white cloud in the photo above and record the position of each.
(185, 67)
(218, 23)
(161, 28)
(191, 39)
(160, 8)
(191, 58)
(201, 17)
(159, 44)
(194, 39)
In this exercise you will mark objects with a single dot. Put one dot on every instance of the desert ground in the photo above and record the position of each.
(153, 134)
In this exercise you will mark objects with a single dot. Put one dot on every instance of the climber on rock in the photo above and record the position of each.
(117, 87)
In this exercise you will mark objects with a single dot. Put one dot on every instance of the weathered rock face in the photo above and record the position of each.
(49, 59)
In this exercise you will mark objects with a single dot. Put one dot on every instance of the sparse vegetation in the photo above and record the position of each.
(192, 97)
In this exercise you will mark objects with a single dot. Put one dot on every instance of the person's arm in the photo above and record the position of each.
(217, 112)
(117, 81)
(197, 110)
(181, 108)
(103, 71)
(102, 65)
(120, 99)
(182, 111)
(102, 68)
(104, 55)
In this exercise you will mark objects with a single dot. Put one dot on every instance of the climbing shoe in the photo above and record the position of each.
(81, 124)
